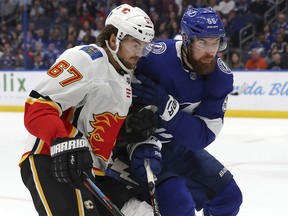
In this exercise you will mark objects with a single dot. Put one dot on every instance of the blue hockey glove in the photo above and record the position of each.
(150, 149)
(149, 93)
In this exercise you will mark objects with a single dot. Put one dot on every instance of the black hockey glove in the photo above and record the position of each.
(71, 157)
(139, 126)
(150, 93)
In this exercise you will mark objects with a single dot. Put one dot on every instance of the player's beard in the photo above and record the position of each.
(202, 68)
(128, 64)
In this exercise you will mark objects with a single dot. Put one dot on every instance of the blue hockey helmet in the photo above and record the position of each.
(202, 23)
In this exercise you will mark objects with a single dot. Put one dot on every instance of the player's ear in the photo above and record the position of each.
(112, 41)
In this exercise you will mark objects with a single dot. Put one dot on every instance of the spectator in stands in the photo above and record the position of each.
(5, 35)
(200, 4)
(169, 6)
(261, 44)
(235, 24)
(86, 16)
(88, 38)
(90, 5)
(8, 59)
(279, 43)
(103, 11)
(37, 10)
(42, 37)
(51, 7)
(8, 10)
(39, 63)
(172, 24)
(62, 18)
(282, 31)
(284, 58)
(73, 27)
(51, 54)
(155, 17)
(225, 6)
(156, 5)
(185, 5)
(276, 63)
(235, 62)
(213, 4)
(19, 32)
(65, 14)
(256, 61)
(20, 58)
(71, 35)
(242, 6)
(32, 28)
(86, 26)
(30, 41)
(267, 30)
(58, 38)
(280, 23)
(269, 57)
(100, 24)
(259, 8)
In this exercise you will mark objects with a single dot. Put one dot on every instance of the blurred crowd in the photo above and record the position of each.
(56, 25)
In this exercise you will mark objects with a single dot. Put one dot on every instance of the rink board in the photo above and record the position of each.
(266, 96)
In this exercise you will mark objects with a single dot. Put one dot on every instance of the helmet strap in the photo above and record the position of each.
(114, 55)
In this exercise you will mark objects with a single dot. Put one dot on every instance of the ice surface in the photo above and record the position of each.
(254, 150)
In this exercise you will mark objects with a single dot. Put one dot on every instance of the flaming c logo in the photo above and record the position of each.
(102, 138)
(125, 10)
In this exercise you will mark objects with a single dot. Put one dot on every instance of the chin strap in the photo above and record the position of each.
(184, 57)
(114, 54)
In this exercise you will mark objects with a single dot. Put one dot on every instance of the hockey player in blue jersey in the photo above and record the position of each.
(189, 85)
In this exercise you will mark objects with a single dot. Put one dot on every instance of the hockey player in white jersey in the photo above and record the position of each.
(74, 115)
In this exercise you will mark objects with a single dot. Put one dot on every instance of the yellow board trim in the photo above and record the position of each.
(11, 108)
(229, 113)
(256, 114)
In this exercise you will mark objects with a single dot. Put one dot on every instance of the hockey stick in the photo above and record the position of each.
(92, 187)
(241, 89)
(151, 185)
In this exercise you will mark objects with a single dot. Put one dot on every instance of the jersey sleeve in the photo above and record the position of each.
(199, 129)
(64, 86)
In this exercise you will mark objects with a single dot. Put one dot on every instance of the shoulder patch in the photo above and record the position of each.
(159, 48)
(223, 67)
(92, 51)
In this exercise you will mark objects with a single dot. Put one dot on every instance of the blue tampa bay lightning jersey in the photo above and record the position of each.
(202, 99)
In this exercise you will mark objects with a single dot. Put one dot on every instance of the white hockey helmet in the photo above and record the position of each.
(131, 21)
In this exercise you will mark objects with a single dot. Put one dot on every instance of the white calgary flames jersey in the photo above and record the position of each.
(91, 97)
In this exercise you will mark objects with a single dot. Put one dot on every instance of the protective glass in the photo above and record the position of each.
(206, 45)
(148, 48)
(136, 47)
(209, 44)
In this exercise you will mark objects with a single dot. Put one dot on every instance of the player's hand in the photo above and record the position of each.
(149, 93)
(71, 157)
(139, 126)
(150, 149)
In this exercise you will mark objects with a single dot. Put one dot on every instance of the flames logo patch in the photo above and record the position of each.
(105, 130)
